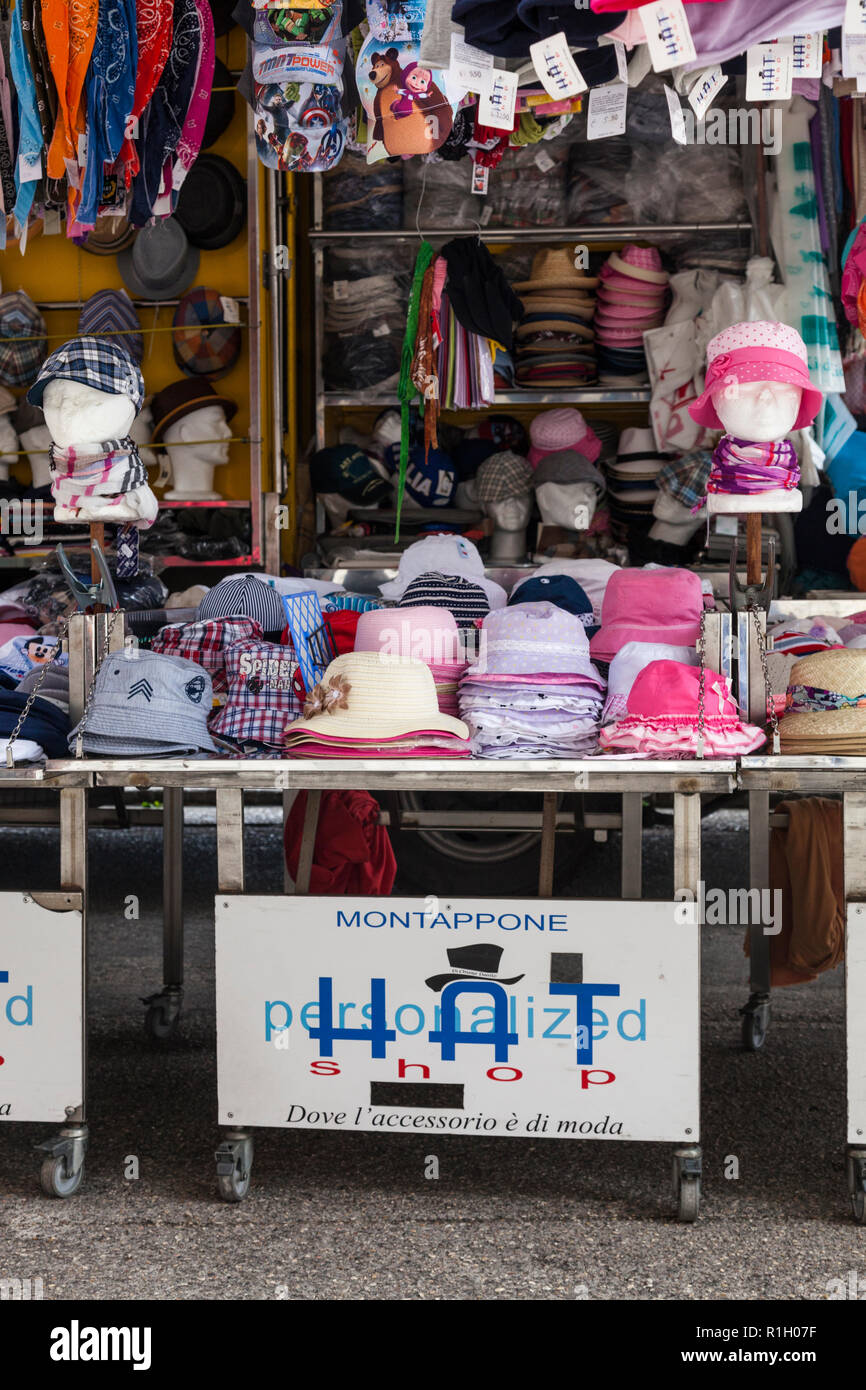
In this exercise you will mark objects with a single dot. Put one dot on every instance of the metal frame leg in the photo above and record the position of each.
(687, 1159)
(234, 1156)
(756, 1012)
(547, 859)
(854, 842)
(163, 1008)
(632, 845)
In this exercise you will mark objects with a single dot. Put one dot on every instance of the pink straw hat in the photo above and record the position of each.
(759, 351)
(562, 429)
(640, 263)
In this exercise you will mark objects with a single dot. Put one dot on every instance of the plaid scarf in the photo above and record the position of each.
(109, 469)
(742, 467)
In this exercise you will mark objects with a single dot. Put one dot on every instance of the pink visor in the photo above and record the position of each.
(755, 364)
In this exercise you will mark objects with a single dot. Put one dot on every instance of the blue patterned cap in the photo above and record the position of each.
(93, 362)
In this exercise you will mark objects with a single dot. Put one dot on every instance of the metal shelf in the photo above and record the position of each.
(591, 395)
(541, 234)
(212, 503)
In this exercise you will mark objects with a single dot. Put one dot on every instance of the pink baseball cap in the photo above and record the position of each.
(425, 633)
(659, 605)
(759, 351)
(555, 430)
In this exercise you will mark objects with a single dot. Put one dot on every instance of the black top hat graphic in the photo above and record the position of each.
(479, 962)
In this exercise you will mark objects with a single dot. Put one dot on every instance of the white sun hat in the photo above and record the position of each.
(371, 696)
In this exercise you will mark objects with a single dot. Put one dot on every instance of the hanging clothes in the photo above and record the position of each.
(162, 123)
(110, 90)
(70, 33)
(154, 32)
(192, 135)
(29, 159)
(55, 189)
(7, 148)
(352, 852)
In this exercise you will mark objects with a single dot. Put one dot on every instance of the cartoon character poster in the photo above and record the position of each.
(407, 110)
(299, 126)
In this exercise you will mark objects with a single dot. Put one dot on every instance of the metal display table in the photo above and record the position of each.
(762, 777)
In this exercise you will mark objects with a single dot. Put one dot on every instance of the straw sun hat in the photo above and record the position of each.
(385, 697)
(818, 688)
(554, 268)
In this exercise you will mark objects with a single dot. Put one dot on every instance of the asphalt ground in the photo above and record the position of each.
(334, 1216)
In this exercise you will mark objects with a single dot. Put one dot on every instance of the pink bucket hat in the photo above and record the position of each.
(562, 429)
(663, 719)
(759, 351)
(662, 605)
(639, 263)
(424, 634)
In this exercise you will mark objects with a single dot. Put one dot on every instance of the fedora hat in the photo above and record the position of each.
(160, 264)
(826, 703)
(553, 268)
(109, 235)
(212, 204)
(181, 398)
(222, 105)
(477, 962)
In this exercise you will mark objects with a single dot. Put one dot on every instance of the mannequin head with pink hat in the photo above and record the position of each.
(555, 430)
(757, 383)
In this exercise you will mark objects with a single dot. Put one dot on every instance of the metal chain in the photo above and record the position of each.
(768, 689)
(701, 684)
(28, 705)
(88, 699)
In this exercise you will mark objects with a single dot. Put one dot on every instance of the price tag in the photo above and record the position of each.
(704, 92)
(544, 162)
(667, 34)
(469, 66)
(855, 17)
(557, 71)
(621, 60)
(678, 124)
(861, 86)
(51, 222)
(853, 55)
(231, 309)
(382, 330)
(770, 71)
(82, 149)
(808, 55)
(607, 106)
(340, 290)
(480, 177)
(725, 525)
(29, 168)
(498, 100)
(486, 213)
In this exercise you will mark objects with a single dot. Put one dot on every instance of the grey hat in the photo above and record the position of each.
(27, 417)
(148, 704)
(53, 683)
(567, 466)
(502, 476)
(160, 264)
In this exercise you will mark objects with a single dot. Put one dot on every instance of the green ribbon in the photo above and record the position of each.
(407, 389)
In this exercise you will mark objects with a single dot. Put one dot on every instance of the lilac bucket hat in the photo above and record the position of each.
(533, 639)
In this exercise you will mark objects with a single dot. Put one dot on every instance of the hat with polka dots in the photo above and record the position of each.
(759, 351)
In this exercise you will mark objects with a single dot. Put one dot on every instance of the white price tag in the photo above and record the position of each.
(29, 168)
(704, 92)
(725, 525)
(51, 222)
(607, 106)
(678, 124)
(557, 71)
(621, 60)
(340, 289)
(231, 309)
(808, 55)
(480, 177)
(469, 66)
(667, 34)
(855, 17)
(82, 149)
(544, 162)
(498, 100)
(861, 86)
(486, 213)
(770, 71)
(382, 330)
(853, 55)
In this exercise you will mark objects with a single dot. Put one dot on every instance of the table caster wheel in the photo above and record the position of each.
(163, 1014)
(857, 1184)
(56, 1181)
(756, 1023)
(234, 1160)
(687, 1183)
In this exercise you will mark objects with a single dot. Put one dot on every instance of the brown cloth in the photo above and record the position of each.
(806, 864)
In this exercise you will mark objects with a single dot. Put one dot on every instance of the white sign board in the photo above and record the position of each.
(855, 985)
(557, 1018)
(41, 1056)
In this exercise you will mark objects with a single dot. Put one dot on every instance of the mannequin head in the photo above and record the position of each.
(8, 446)
(510, 517)
(759, 411)
(37, 441)
(79, 414)
(193, 464)
(140, 430)
(571, 505)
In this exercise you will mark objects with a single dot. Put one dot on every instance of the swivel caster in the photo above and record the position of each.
(687, 1183)
(163, 1013)
(234, 1159)
(857, 1184)
(756, 1022)
(62, 1170)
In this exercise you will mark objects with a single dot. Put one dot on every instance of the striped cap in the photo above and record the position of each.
(204, 343)
(246, 597)
(467, 601)
(109, 313)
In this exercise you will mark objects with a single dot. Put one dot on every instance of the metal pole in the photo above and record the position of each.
(632, 845)
(172, 887)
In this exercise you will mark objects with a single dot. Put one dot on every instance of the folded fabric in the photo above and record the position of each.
(24, 750)
(46, 725)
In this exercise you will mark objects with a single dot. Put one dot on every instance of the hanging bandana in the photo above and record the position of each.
(163, 121)
(70, 33)
(741, 467)
(154, 32)
(189, 145)
(28, 167)
(110, 92)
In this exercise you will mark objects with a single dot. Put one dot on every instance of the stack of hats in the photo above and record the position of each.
(632, 298)
(627, 665)
(206, 642)
(825, 704)
(245, 597)
(364, 320)
(430, 635)
(555, 340)
(632, 482)
(261, 698)
(46, 728)
(592, 575)
(147, 706)
(533, 692)
(372, 705)
(649, 605)
(557, 430)
(445, 572)
(560, 590)
(663, 717)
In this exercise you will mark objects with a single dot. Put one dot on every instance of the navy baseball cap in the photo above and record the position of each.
(343, 468)
(430, 481)
(561, 590)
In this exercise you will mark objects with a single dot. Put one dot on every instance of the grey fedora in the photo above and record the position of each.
(160, 264)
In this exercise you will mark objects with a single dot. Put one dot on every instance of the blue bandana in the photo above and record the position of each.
(30, 136)
(163, 119)
(110, 94)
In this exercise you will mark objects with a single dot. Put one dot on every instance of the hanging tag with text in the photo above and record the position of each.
(770, 71)
(557, 71)
(667, 34)
(469, 67)
(498, 100)
(855, 17)
(607, 108)
(808, 55)
(678, 124)
(705, 90)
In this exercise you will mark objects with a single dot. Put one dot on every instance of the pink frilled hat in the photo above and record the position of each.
(562, 429)
(663, 720)
(759, 351)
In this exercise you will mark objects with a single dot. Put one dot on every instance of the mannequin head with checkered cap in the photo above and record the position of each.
(90, 389)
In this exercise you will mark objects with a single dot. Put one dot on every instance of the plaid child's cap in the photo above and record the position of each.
(204, 343)
(502, 476)
(22, 339)
(93, 362)
(112, 311)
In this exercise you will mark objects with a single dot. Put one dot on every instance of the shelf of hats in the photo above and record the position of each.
(148, 264)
